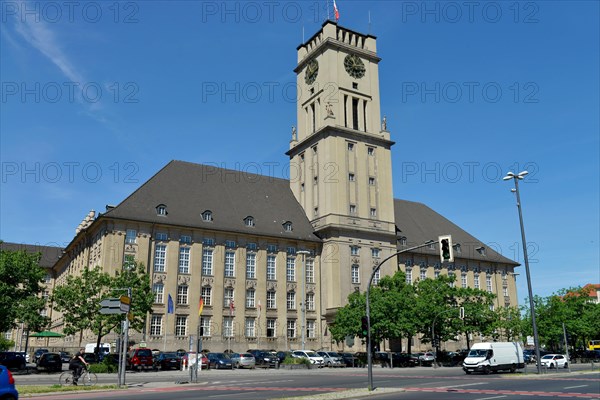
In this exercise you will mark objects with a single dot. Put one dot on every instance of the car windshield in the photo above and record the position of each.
(477, 353)
(547, 357)
(333, 354)
(144, 353)
(311, 354)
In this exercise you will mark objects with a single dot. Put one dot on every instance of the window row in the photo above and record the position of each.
(251, 327)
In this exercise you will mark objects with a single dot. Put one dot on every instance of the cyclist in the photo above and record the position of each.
(77, 364)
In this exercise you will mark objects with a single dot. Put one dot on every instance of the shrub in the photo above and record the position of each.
(105, 367)
(296, 360)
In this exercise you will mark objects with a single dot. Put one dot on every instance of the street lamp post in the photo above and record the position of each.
(304, 253)
(377, 267)
(536, 341)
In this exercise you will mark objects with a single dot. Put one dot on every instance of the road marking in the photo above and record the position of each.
(573, 387)
(490, 398)
(466, 384)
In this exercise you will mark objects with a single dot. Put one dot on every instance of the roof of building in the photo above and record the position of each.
(50, 254)
(231, 196)
(419, 223)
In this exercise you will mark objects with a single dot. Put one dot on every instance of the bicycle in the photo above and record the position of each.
(87, 378)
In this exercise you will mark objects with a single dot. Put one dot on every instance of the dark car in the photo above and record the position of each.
(49, 362)
(404, 360)
(349, 359)
(38, 353)
(13, 360)
(7, 385)
(219, 360)
(167, 361)
(266, 359)
(140, 359)
(65, 356)
(282, 355)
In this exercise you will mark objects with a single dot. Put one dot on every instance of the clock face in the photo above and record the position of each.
(312, 70)
(354, 66)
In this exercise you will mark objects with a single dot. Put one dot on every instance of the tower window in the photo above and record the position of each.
(350, 146)
(352, 209)
(207, 216)
(371, 181)
(346, 111)
(354, 85)
(354, 113)
(370, 151)
(314, 117)
(373, 212)
(351, 177)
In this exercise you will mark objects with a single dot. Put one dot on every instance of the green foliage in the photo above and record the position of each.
(107, 366)
(296, 360)
(5, 344)
(21, 280)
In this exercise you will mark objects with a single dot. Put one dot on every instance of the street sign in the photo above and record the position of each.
(125, 300)
(110, 306)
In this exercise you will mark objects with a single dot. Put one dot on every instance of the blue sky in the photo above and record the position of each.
(97, 96)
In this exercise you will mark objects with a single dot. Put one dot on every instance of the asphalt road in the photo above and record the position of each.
(404, 383)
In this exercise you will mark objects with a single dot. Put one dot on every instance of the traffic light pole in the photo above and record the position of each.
(369, 350)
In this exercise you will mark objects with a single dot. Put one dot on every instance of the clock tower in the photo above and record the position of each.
(340, 160)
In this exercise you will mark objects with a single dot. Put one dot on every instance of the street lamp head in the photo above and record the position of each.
(509, 175)
(513, 190)
(522, 174)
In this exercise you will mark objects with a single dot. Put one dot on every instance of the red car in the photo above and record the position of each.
(140, 359)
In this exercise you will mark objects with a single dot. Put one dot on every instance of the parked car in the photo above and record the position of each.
(38, 353)
(219, 360)
(349, 359)
(189, 359)
(332, 359)
(49, 362)
(65, 356)
(426, 359)
(168, 360)
(25, 355)
(90, 358)
(7, 385)
(313, 357)
(382, 358)
(554, 361)
(282, 355)
(13, 360)
(266, 359)
(404, 360)
(140, 359)
(243, 360)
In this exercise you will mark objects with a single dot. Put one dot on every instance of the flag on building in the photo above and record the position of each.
(170, 307)
(336, 11)
(231, 307)
(200, 306)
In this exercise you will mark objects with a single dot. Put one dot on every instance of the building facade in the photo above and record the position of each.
(273, 259)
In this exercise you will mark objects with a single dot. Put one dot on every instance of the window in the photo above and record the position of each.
(291, 300)
(316, 211)
(181, 325)
(287, 226)
(375, 253)
(44, 313)
(310, 329)
(290, 269)
(271, 267)
(310, 270)
(351, 177)
(431, 246)
(160, 257)
(249, 221)
(488, 283)
(408, 275)
(207, 262)
(476, 281)
(314, 149)
(158, 289)
(370, 151)
(271, 327)
(302, 187)
(185, 239)
(350, 146)
(156, 325)
(271, 248)
(373, 212)
(45, 294)
(161, 237)
(291, 328)
(230, 244)
(481, 250)
(505, 291)
(315, 179)
(250, 298)
(463, 280)
(228, 326)
(377, 277)
(354, 250)
(207, 216)
(271, 299)
(229, 264)
(205, 326)
(423, 273)
(355, 273)
(228, 297)
(252, 246)
(47, 278)
(371, 181)
(310, 301)
(207, 295)
(403, 241)
(436, 273)
(249, 327)
(456, 248)
(130, 236)
(184, 260)
(291, 250)
(182, 294)
(208, 242)
(352, 209)
(161, 210)
(251, 266)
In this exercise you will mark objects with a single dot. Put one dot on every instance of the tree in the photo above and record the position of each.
(479, 319)
(21, 282)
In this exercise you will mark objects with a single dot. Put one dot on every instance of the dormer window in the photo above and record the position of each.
(161, 210)
(207, 216)
(287, 226)
(230, 244)
(249, 221)
(456, 248)
(161, 237)
(403, 241)
(481, 250)
(252, 246)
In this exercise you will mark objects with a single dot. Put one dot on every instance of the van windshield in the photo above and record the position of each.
(477, 353)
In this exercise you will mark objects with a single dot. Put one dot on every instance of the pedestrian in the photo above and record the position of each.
(77, 364)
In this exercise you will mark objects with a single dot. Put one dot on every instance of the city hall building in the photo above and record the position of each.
(274, 259)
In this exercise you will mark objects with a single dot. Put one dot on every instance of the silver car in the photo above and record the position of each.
(332, 359)
(243, 360)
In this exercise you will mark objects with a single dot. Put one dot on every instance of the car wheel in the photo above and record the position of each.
(468, 372)
(566, 365)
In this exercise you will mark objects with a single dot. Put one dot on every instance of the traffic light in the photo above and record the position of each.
(364, 328)
(446, 253)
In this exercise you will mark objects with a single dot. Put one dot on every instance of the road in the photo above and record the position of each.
(404, 383)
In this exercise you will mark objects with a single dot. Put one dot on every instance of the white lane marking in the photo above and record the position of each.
(490, 398)
(573, 387)
(466, 384)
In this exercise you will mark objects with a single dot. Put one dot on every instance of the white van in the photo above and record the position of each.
(104, 348)
(494, 356)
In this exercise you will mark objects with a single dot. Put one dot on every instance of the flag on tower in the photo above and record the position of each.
(336, 11)
(200, 306)
(170, 307)
(231, 307)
